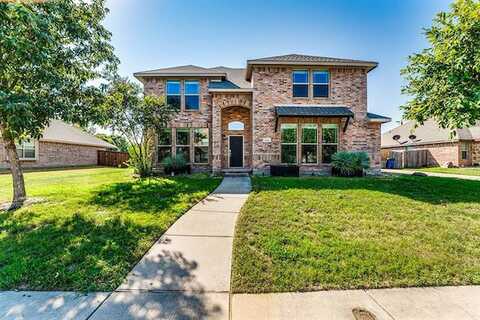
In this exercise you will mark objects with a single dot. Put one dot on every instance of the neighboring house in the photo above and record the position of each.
(462, 149)
(291, 109)
(62, 145)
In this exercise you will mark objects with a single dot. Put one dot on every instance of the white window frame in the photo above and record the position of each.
(21, 146)
(165, 145)
(301, 83)
(320, 83)
(464, 147)
(308, 143)
(326, 125)
(192, 94)
(184, 145)
(174, 94)
(199, 145)
(289, 143)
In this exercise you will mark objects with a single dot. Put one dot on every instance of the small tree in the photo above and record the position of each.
(137, 118)
(49, 53)
(118, 141)
(444, 79)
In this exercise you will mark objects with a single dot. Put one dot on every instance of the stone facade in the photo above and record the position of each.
(51, 155)
(270, 86)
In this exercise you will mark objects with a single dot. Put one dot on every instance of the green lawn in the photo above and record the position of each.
(300, 234)
(92, 227)
(462, 171)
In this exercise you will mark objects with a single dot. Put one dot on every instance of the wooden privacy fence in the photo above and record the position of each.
(112, 158)
(409, 158)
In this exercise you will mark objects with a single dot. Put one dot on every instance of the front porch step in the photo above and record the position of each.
(236, 172)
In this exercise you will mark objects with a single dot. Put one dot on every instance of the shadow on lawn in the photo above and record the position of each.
(72, 254)
(151, 195)
(433, 190)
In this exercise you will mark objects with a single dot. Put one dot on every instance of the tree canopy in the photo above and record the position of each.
(444, 80)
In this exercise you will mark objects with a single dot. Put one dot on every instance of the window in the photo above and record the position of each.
(26, 150)
(164, 147)
(200, 145)
(464, 151)
(309, 143)
(174, 97)
(236, 126)
(183, 143)
(192, 95)
(320, 84)
(329, 141)
(300, 84)
(289, 143)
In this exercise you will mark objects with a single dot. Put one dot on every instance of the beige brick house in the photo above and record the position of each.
(462, 149)
(62, 145)
(291, 109)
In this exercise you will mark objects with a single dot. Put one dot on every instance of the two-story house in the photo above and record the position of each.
(291, 109)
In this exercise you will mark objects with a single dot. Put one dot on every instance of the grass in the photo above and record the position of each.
(91, 228)
(302, 234)
(475, 171)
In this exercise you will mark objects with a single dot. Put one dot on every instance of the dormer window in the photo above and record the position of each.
(300, 84)
(320, 84)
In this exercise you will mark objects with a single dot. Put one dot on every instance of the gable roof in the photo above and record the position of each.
(302, 59)
(61, 132)
(428, 133)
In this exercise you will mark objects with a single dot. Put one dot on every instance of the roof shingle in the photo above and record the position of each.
(313, 111)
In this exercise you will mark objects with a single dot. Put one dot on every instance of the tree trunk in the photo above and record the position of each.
(19, 194)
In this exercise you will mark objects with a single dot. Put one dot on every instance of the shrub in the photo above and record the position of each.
(175, 164)
(140, 160)
(350, 164)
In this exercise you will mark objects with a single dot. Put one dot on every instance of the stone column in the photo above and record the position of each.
(216, 138)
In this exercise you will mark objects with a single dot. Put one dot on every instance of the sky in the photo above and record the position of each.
(151, 34)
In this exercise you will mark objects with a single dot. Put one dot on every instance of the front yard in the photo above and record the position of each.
(323, 233)
(91, 227)
(475, 171)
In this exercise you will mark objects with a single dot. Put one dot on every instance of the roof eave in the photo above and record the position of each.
(370, 65)
(233, 90)
(380, 120)
(141, 75)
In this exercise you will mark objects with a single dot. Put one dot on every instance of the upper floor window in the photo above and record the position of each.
(174, 97)
(236, 125)
(192, 95)
(320, 84)
(300, 84)
(26, 150)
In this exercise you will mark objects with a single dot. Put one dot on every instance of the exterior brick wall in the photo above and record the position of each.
(237, 114)
(476, 153)
(201, 118)
(51, 154)
(272, 85)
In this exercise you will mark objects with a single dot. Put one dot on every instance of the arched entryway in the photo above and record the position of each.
(236, 131)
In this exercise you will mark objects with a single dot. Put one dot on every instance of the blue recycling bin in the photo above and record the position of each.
(390, 163)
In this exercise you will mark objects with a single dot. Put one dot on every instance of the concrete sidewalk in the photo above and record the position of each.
(438, 303)
(186, 274)
(431, 174)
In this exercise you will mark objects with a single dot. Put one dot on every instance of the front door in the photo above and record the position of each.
(236, 151)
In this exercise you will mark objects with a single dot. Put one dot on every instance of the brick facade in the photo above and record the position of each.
(51, 155)
(272, 85)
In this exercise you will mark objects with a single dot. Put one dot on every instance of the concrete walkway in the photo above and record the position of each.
(440, 303)
(431, 174)
(186, 274)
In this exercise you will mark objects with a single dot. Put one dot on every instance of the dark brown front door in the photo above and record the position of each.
(236, 151)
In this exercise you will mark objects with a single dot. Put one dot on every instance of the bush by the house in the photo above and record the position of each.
(176, 164)
(349, 164)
